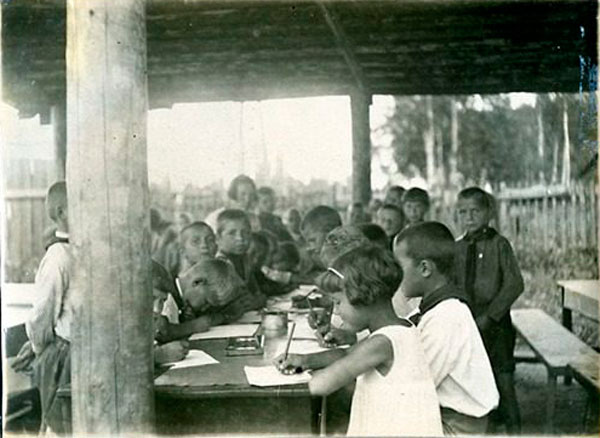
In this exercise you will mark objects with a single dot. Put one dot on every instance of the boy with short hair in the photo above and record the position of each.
(316, 224)
(394, 196)
(196, 242)
(453, 347)
(213, 294)
(233, 241)
(390, 218)
(415, 204)
(267, 219)
(486, 268)
(49, 327)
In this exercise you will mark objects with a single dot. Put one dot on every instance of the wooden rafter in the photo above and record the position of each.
(345, 46)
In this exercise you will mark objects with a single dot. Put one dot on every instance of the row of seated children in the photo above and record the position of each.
(463, 322)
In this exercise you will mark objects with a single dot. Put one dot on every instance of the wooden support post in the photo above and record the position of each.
(361, 148)
(58, 116)
(107, 180)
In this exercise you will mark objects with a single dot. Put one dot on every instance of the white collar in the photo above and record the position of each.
(61, 234)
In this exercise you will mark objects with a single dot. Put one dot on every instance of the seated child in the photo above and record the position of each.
(161, 289)
(292, 220)
(278, 274)
(389, 217)
(268, 220)
(415, 204)
(394, 196)
(486, 268)
(395, 394)
(233, 241)
(262, 245)
(317, 223)
(196, 242)
(214, 295)
(453, 347)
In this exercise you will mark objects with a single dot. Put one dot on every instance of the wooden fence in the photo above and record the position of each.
(25, 219)
(545, 217)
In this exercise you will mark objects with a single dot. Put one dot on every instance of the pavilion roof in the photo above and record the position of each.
(200, 50)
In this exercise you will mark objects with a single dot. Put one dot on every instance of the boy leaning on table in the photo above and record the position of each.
(49, 327)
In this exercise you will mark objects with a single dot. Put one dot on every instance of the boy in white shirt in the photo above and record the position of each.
(453, 347)
(49, 326)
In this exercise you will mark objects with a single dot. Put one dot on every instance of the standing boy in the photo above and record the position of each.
(486, 268)
(453, 347)
(49, 327)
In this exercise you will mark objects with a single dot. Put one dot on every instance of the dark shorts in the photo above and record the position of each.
(499, 341)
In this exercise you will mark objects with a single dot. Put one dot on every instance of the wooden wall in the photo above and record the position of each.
(26, 182)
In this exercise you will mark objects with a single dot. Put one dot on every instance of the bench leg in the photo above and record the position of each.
(550, 402)
(568, 377)
(323, 417)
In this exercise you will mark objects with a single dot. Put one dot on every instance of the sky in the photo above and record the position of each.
(202, 143)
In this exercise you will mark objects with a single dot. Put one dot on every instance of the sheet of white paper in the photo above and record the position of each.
(270, 376)
(226, 331)
(194, 358)
(253, 316)
(303, 330)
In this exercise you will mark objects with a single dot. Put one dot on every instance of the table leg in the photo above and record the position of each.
(550, 401)
(323, 417)
(567, 314)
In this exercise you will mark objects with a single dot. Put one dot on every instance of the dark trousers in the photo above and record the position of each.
(52, 369)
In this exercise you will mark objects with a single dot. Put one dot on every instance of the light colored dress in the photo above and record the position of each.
(404, 401)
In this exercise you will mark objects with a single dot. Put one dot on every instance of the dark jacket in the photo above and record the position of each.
(498, 281)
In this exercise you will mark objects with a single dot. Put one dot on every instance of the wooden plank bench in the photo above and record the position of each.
(586, 370)
(554, 346)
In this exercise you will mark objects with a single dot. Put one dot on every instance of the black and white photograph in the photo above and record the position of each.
(363, 218)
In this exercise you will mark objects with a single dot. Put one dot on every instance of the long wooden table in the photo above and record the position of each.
(217, 399)
(580, 296)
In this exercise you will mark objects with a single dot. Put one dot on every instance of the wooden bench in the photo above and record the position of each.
(586, 371)
(554, 346)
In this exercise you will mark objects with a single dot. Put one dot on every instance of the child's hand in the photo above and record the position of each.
(24, 358)
(187, 313)
(295, 363)
(171, 352)
(161, 328)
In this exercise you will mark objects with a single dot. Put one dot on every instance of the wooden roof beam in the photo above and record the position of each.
(346, 48)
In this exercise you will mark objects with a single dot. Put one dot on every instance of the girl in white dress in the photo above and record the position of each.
(395, 394)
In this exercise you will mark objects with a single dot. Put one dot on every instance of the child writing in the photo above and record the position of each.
(486, 268)
(453, 347)
(394, 395)
(415, 204)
